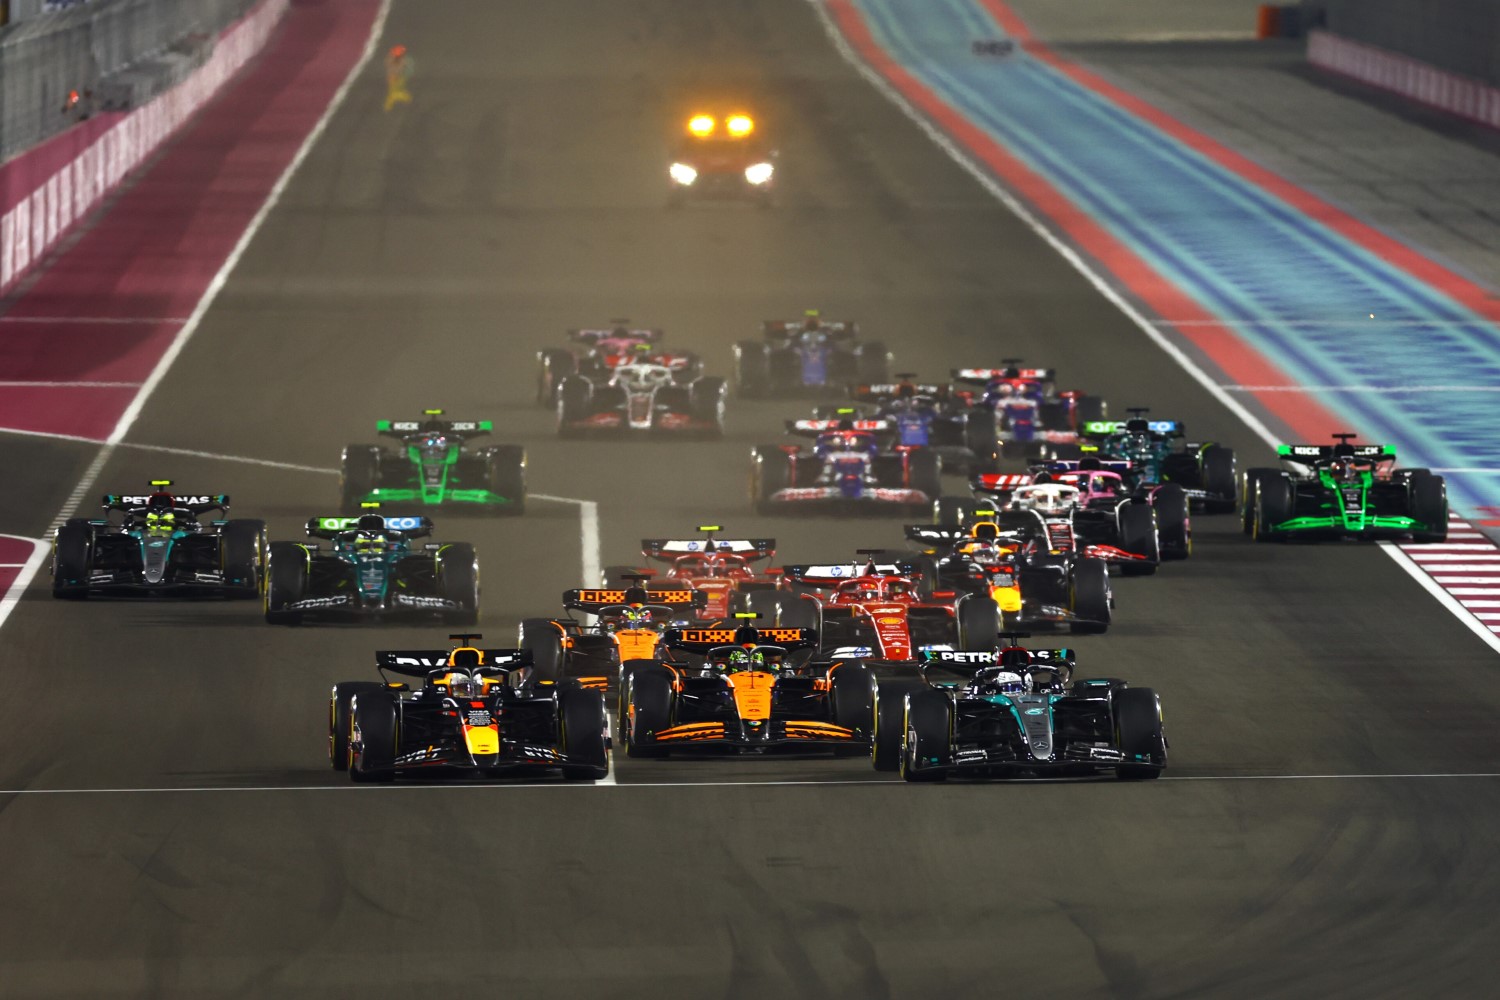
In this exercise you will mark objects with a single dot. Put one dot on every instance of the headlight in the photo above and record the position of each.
(682, 173)
(759, 173)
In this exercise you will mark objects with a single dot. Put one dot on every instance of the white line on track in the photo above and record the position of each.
(12, 596)
(1104, 288)
(588, 535)
(1392, 389)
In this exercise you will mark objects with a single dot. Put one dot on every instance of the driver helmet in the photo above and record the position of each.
(462, 685)
(634, 618)
(741, 660)
(811, 320)
(1345, 470)
(160, 523)
(868, 591)
(998, 680)
(369, 542)
(898, 588)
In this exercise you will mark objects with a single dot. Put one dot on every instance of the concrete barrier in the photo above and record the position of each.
(46, 190)
(1460, 95)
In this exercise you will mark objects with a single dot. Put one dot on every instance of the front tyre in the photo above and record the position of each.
(1091, 597)
(929, 736)
(72, 559)
(242, 549)
(340, 719)
(505, 474)
(374, 715)
(286, 582)
(458, 581)
(581, 734)
(1138, 733)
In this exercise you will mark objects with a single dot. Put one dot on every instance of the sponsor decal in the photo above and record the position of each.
(348, 523)
(321, 602)
(415, 601)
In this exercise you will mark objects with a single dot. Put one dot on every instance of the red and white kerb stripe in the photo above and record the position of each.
(1467, 567)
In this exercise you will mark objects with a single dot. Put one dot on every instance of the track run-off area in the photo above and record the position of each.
(171, 823)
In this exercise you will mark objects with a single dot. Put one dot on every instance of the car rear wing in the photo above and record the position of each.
(199, 503)
(455, 428)
(412, 526)
(421, 662)
(975, 662)
(781, 329)
(824, 575)
(667, 549)
(979, 376)
(643, 334)
(1315, 452)
(1109, 428)
(878, 391)
(1116, 465)
(999, 482)
(701, 640)
(593, 601)
(812, 428)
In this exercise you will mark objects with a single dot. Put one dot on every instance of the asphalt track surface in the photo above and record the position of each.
(419, 259)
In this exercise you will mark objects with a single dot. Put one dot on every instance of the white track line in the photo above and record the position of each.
(1043, 231)
(588, 534)
(12, 596)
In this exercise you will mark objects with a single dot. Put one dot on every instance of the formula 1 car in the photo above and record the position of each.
(853, 466)
(811, 355)
(630, 624)
(1022, 714)
(159, 547)
(1343, 490)
(639, 399)
(598, 352)
(723, 569)
(371, 571)
(1159, 452)
(478, 711)
(722, 156)
(1028, 561)
(964, 434)
(432, 469)
(877, 611)
(1033, 419)
(744, 697)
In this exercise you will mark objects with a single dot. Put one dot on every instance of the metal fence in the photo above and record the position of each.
(1460, 36)
(114, 53)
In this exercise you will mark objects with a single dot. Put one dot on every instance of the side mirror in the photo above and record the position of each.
(397, 686)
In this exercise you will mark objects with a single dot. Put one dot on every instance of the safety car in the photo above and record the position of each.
(721, 155)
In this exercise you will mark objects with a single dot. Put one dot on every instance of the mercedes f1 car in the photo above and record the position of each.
(722, 156)
(629, 626)
(1021, 714)
(743, 696)
(477, 711)
(371, 571)
(596, 353)
(640, 399)
(810, 355)
(1343, 490)
(852, 466)
(1158, 452)
(159, 546)
(432, 468)
(725, 570)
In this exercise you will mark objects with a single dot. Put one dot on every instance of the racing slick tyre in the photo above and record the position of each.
(771, 473)
(890, 723)
(544, 641)
(374, 715)
(72, 549)
(505, 475)
(1248, 488)
(553, 366)
(574, 404)
(953, 512)
(1273, 505)
(339, 719)
(359, 474)
(924, 472)
(1091, 597)
(1091, 408)
(1176, 531)
(286, 582)
(979, 622)
(648, 710)
(458, 579)
(1216, 475)
(801, 612)
(706, 403)
(872, 363)
(929, 736)
(581, 733)
(853, 695)
(1429, 504)
(1136, 523)
(752, 369)
(242, 551)
(1138, 732)
(981, 436)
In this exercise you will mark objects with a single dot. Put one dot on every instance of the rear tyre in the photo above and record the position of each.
(72, 559)
(872, 363)
(648, 711)
(458, 579)
(953, 512)
(1172, 521)
(929, 742)
(1216, 472)
(339, 719)
(924, 472)
(359, 474)
(981, 435)
(800, 612)
(752, 369)
(574, 399)
(854, 700)
(1091, 408)
(890, 723)
(770, 473)
(1249, 486)
(1137, 526)
(978, 623)
(706, 401)
(242, 549)
(374, 714)
(1091, 597)
(1429, 504)
(286, 582)
(1273, 506)
(543, 639)
(1138, 731)
(505, 470)
(581, 733)
(553, 366)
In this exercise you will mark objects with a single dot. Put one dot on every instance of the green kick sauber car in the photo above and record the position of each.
(1343, 490)
(433, 469)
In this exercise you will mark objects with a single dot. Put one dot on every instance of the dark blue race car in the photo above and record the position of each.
(812, 355)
